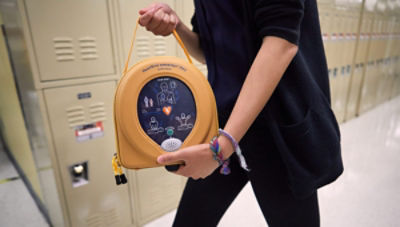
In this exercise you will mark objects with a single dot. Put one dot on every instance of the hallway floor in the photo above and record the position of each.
(16, 204)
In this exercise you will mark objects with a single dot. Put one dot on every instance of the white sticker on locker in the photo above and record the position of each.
(89, 131)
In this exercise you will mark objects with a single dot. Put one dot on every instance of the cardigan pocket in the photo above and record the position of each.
(310, 148)
(297, 129)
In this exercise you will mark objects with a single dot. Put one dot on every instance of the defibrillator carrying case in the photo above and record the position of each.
(161, 104)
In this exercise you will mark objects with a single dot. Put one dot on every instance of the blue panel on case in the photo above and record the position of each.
(166, 109)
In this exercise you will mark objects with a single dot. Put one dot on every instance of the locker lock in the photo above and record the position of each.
(79, 174)
(78, 170)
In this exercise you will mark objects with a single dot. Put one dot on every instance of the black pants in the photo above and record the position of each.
(205, 201)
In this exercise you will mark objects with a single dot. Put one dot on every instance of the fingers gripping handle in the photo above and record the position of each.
(132, 44)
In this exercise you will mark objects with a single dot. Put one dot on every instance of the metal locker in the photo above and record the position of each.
(389, 58)
(323, 14)
(363, 37)
(365, 89)
(350, 79)
(387, 87)
(327, 29)
(396, 60)
(393, 56)
(356, 30)
(337, 52)
(396, 86)
(354, 90)
(379, 78)
(156, 192)
(332, 44)
(83, 134)
(328, 20)
(364, 99)
(345, 66)
(375, 54)
(361, 58)
(342, 89)
(69, 46)
(335, 32)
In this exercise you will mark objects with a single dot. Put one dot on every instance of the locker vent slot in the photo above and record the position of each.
(160, 190)
(107, 218)
(94, 220)
(97, 112)
(143, 46)
(160, 47)
(75, 116)
(64, 49)
(111, 218)
(88, 48)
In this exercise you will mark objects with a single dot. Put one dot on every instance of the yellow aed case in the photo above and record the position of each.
(161, 104)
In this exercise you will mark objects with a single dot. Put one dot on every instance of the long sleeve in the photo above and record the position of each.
(195, 26)
(281, 18)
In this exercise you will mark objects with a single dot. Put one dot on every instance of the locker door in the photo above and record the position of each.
(388, 60)
(351, 78)
(386, 87)
(363, 40)
(71, 39)
(345, 63)
(341, 51)
(396, 88)
(147, 44)
(375, 54)
(328, 24)
(83, 133)
(371, 66)
(354, 90)
(380, 77)
(323, 22)
(391, 56)
(365, 89)
(335, 60)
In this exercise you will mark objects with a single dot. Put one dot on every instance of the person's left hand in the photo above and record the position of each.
(198, 159)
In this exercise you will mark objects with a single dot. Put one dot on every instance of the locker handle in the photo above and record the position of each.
(133, 40)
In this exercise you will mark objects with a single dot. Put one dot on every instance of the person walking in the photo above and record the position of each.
(267, 68)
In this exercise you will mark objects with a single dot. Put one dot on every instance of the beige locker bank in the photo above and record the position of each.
(67, 57)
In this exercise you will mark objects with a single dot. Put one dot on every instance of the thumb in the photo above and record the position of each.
(169, 158)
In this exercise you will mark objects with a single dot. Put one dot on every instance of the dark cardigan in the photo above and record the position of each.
(298, 115)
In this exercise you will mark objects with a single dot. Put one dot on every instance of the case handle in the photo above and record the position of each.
(133, 40)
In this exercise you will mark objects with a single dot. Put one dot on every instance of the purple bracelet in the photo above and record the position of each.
(236, 148)
(217, 155)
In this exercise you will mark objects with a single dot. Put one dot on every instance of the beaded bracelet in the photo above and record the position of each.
(217, 155)
(236, 148)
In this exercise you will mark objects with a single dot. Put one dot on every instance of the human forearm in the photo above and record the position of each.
(191, 40)
(265, 73)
